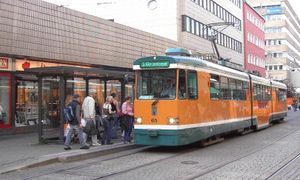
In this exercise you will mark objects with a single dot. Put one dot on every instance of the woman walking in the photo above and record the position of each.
(127, 121)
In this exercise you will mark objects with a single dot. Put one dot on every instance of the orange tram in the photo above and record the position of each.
(182, 100)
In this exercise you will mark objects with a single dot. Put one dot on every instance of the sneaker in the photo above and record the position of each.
(110, 143)
(84, 147)
(67, 148)
(96, 144)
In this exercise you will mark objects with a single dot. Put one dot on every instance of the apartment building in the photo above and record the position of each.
(254, 41)
(282, 37)
(189, 22)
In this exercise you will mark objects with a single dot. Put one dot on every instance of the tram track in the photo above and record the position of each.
(283, 167)
(214, 167)
(93, 162)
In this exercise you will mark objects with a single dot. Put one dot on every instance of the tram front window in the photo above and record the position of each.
(157, 84)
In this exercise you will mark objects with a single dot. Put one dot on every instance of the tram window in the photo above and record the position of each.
(239, 93)
(245, 88)
(192, 85)
(281, 94)
(214, 87)
(225, 91)
(182, 84)
(257, 92)
(157, 84)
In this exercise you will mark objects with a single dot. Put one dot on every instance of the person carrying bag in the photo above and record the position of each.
(107, 118)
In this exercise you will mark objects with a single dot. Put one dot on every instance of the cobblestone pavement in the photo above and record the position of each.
(253, 156)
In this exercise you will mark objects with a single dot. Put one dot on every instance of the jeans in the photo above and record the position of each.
(115, 126)
(127, 133)
(79, 132)
(107, 130)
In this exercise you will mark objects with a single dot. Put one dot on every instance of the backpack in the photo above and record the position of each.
(69, 115)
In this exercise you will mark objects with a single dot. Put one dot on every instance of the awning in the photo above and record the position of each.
(81, 72)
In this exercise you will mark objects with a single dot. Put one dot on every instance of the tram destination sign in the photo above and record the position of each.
(155, 64)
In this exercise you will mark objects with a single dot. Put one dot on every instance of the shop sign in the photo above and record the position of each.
(4, 63)
(274, 10)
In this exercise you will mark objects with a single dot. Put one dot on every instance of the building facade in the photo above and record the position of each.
(254, 41)
(38, 34)
(282, 40)
(189, 22)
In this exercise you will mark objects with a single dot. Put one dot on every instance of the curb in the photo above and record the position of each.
(71, 156)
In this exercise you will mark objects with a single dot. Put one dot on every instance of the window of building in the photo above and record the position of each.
(270, 67)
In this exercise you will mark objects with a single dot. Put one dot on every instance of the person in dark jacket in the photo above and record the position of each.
(75, 125)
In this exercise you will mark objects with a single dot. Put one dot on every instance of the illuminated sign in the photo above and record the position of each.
(155, 64)
(3, 62)
(274, 10)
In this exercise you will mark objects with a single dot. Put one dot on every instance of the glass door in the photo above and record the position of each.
(5, 100)
(50, 103)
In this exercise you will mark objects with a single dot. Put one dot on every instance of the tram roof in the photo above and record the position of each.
(278, 84)
(193, 61)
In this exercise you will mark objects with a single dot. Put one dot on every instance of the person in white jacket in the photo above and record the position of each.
(89, 112)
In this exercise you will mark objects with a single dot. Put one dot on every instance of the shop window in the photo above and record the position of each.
(114, 86)
(5, 101)
(98, 86)
(26, 103)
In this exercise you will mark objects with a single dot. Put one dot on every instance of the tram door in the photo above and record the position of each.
(50, 107)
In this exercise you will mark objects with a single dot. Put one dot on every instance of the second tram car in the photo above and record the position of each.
(182, 100)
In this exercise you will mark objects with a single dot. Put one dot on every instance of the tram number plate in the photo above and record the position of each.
(153, 133)
(153, 120)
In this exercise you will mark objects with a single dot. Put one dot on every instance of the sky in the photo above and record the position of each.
(92, 6)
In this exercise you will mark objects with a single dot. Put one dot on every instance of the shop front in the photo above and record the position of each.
(5, 93)
(33, 93)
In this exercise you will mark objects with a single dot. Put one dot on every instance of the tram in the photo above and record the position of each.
(181, 100)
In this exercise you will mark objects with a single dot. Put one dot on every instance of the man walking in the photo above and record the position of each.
(75, 125)
(89, 112)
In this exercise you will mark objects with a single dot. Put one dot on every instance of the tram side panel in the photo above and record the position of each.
(279, 104)
(208, 116)
(262, 104)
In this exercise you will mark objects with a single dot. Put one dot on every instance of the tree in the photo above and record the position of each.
(291, 91)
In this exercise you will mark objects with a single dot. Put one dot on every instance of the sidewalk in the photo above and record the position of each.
(23, 151)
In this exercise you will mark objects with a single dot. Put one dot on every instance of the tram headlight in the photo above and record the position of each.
(173, 120)
(138, 120)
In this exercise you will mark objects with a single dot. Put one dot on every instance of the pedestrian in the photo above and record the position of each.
(107, 117)
(98, 108)
(127, 120)
(75, 125)
(116, 108)
(89, 113)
